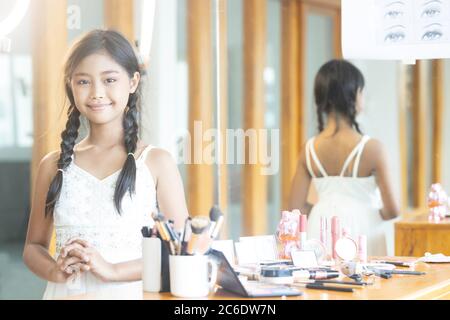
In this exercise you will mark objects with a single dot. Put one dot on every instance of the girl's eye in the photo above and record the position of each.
(82, 82)
(110, 80)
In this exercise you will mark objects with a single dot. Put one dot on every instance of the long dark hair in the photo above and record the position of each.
(335, 89)
(120, 50)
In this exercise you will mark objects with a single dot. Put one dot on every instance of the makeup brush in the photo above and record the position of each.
(186, 236)
(158, 216)
(214, 216)
(212, 219)
(199, 225)
(217, 216)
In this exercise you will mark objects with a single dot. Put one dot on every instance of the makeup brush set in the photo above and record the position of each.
(162, 241)
(196, 237)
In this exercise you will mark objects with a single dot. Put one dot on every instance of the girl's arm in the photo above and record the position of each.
(390, 208)
(300, 186)
(40, 228)
(169, 186)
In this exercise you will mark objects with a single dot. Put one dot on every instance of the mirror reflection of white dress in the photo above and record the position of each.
(85, 209)
(355, 200)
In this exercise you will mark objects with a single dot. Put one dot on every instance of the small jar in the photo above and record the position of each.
(276, 276)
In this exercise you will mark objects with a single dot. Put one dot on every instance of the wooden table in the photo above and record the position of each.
(416, 235)
(435, 284)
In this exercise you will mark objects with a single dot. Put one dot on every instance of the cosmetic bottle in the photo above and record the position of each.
(288, 234)
(437, 203)
(335, 234)
(362, 248)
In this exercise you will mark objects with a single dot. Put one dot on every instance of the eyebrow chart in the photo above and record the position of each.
(401, 22)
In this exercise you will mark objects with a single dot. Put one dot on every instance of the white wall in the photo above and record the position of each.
(446, 140)
(380, 119)
(164, 110)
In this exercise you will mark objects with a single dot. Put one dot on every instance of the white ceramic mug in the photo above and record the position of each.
(151, 257)
(192, 276)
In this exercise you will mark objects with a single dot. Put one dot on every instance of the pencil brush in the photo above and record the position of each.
(187, 231)
(170, 231)
(173, 238)
(162, 231)
(321, 287)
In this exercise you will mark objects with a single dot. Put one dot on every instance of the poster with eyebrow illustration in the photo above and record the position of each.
(433, 21)
(409, 22)
(396, 29)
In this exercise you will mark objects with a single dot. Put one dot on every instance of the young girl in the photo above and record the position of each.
(348, 169)
(99, 193)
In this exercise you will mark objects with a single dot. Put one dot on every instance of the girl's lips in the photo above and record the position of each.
(99, 107)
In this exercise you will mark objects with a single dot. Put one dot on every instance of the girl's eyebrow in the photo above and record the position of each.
(109, 71)
(81, 74)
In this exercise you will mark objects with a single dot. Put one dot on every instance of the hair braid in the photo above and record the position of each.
(320, 118)
(69, 136)
(127, 178)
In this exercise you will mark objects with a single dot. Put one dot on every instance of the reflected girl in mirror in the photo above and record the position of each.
(349, 170)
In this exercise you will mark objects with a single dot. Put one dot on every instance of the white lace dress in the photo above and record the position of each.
(355, 200)
(85, 209)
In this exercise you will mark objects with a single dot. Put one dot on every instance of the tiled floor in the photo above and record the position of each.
(16, 280)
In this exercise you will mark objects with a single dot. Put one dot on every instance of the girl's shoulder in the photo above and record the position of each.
(159, 161)
(157, 156)
(51, 158)
(48, 165)
(374, 154)
(374, 147)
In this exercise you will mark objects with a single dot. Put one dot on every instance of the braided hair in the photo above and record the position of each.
(335, 90)
(120, 50)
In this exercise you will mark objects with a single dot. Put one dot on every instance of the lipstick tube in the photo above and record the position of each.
(300, 275)
(324, 232)
(303, 225)
(362, 248)
(335, 234)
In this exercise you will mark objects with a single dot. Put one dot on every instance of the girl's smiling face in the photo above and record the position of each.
(101, 88)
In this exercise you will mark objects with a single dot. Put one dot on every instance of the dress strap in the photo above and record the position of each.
(144, 153)
(351, 156)
(308, 159)
(316, 159)
(358, 156)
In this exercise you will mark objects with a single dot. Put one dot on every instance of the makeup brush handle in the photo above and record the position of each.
(217, 227)
(193, 243)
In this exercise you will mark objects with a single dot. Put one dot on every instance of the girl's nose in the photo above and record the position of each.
(97, 92)
(97, 97)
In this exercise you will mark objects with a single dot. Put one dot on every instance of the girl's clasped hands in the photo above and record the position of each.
(78, 256)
